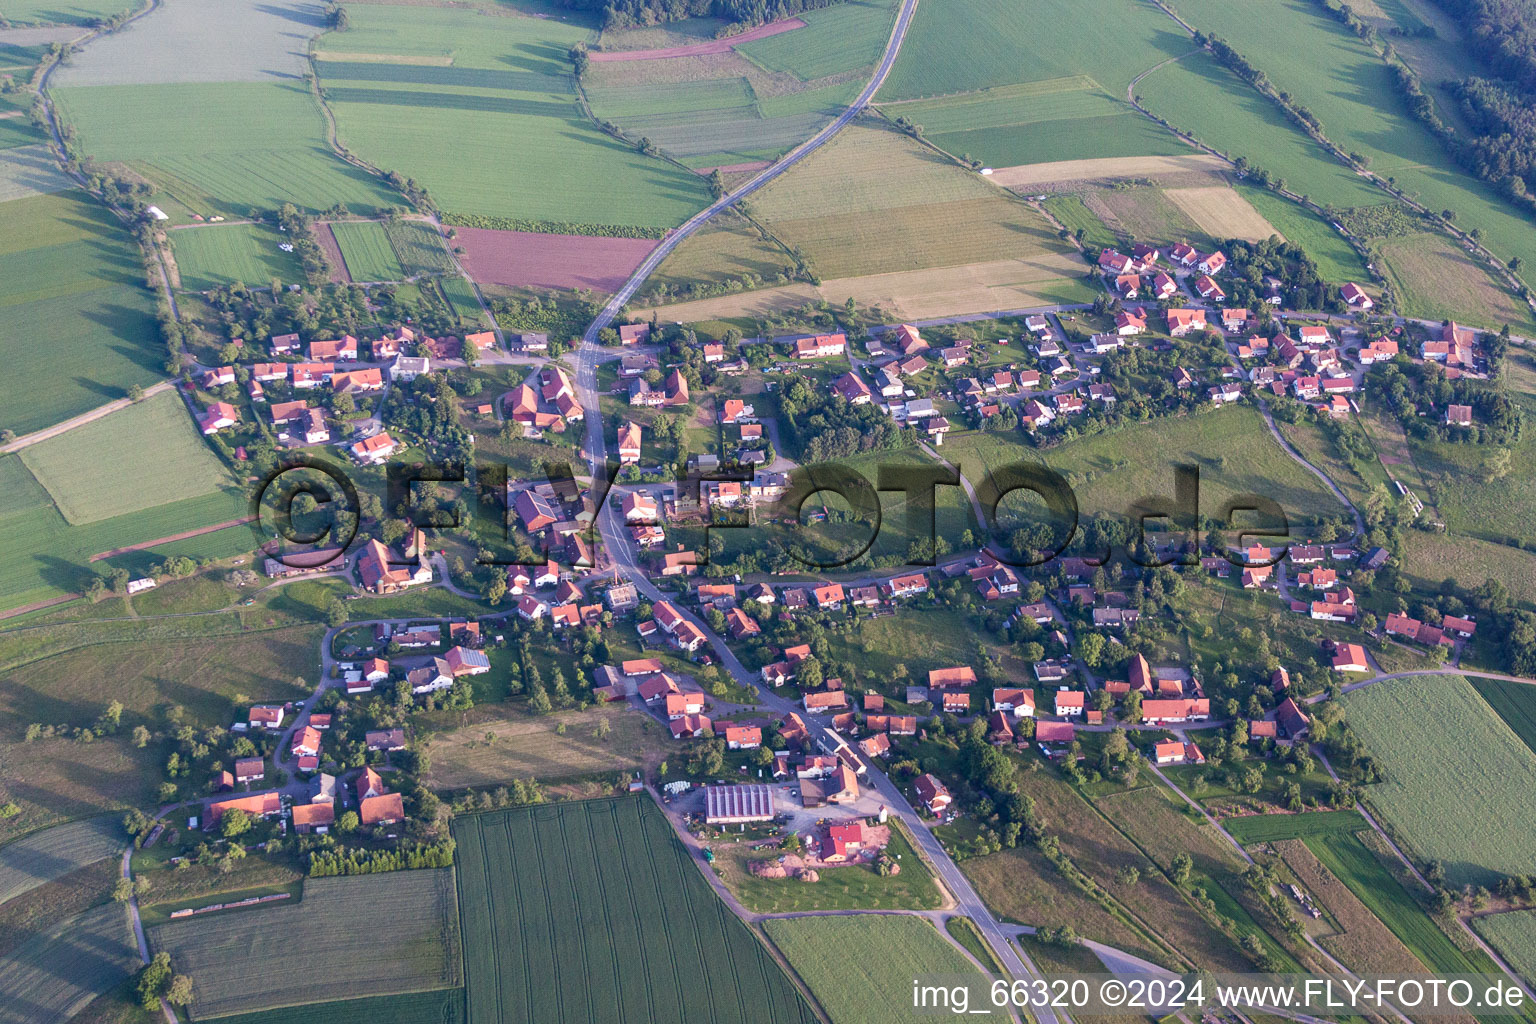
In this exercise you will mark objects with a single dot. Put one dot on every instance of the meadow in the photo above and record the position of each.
(1514, 936)
(221, 254)
(62, 12)
(860, 968)
(29, 170)
(1199, 96)
(44, 856)
(135, 458)
(1428, 558)
(1355, 96)
(529, 746)
(418, 246)
(178, 136)
(874, 201)
(577, 911)
(510, 91)
(366, 247)
(1435, 279)
(724, 249)
(55, 974)
(308, 950)
(1466, 805)
(79, 325)
(1336, 260)
(1232, 447)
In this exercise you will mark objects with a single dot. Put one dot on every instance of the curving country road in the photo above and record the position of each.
(762, 178)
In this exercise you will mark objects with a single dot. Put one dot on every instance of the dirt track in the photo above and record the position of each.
(699, 49)
(79, 421)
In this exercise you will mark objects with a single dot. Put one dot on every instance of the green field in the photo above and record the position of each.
(179, 136)
(53, 853)
(1336, 260)
(1267, 828)
(29, 170)
(444, 1006)
(836, 39)
(329, 942)
(1436, 279)
(963, 45)
(461, 296)
(76, 324)
(225, 253)
(1514, 936)
(57, 973)
(593, 910)
(1199, 96)
(1465, 803)
(145, 455)
(861, 968)
(366, 247)
(509, 90)
(1513, 702)
(1355, 96)
(1075, 216)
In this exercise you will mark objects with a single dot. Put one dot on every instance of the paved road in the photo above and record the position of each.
(784, 163)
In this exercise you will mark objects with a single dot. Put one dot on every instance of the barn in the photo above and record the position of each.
(736, 805)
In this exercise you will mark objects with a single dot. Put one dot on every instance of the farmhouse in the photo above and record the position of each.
(821, 346)
(257, 805)
(1178, 752)
(1355, 296)
(933, 793)
(1350, 658)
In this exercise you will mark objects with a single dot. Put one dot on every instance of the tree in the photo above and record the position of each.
(1180, 868)
(235, 822)
(135, 393)
(336, 613)
(348, 822)
(153, 978)
(180, 990)
(122, 890)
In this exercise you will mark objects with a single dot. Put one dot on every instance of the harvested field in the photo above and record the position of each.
(1106, 169)
(326, 239)
(554, 932)
(56, 974)
(699, 49)
(1364, 944)
(52, 853)
(1143, 214)
(1221, 213)
(914, 294)
(522, 259)
(294, 952)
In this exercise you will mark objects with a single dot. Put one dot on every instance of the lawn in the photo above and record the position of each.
(178, 135)
(55, 974)
(53, 853)
(1514, 936)
(136, 458)
(835, 40)
(855, 886)
(585, 910)
(443, 1006)
(963, 45)
(295, 952)
(365, 245)
(79, 325)
(1201, 97)
(875, 202)
(861, 968)
(1268, 828)
(1468, 804)
(511, 91)
(1354, 94)
(219, 254)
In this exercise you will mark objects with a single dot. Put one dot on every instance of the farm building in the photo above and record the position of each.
(735, 805)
